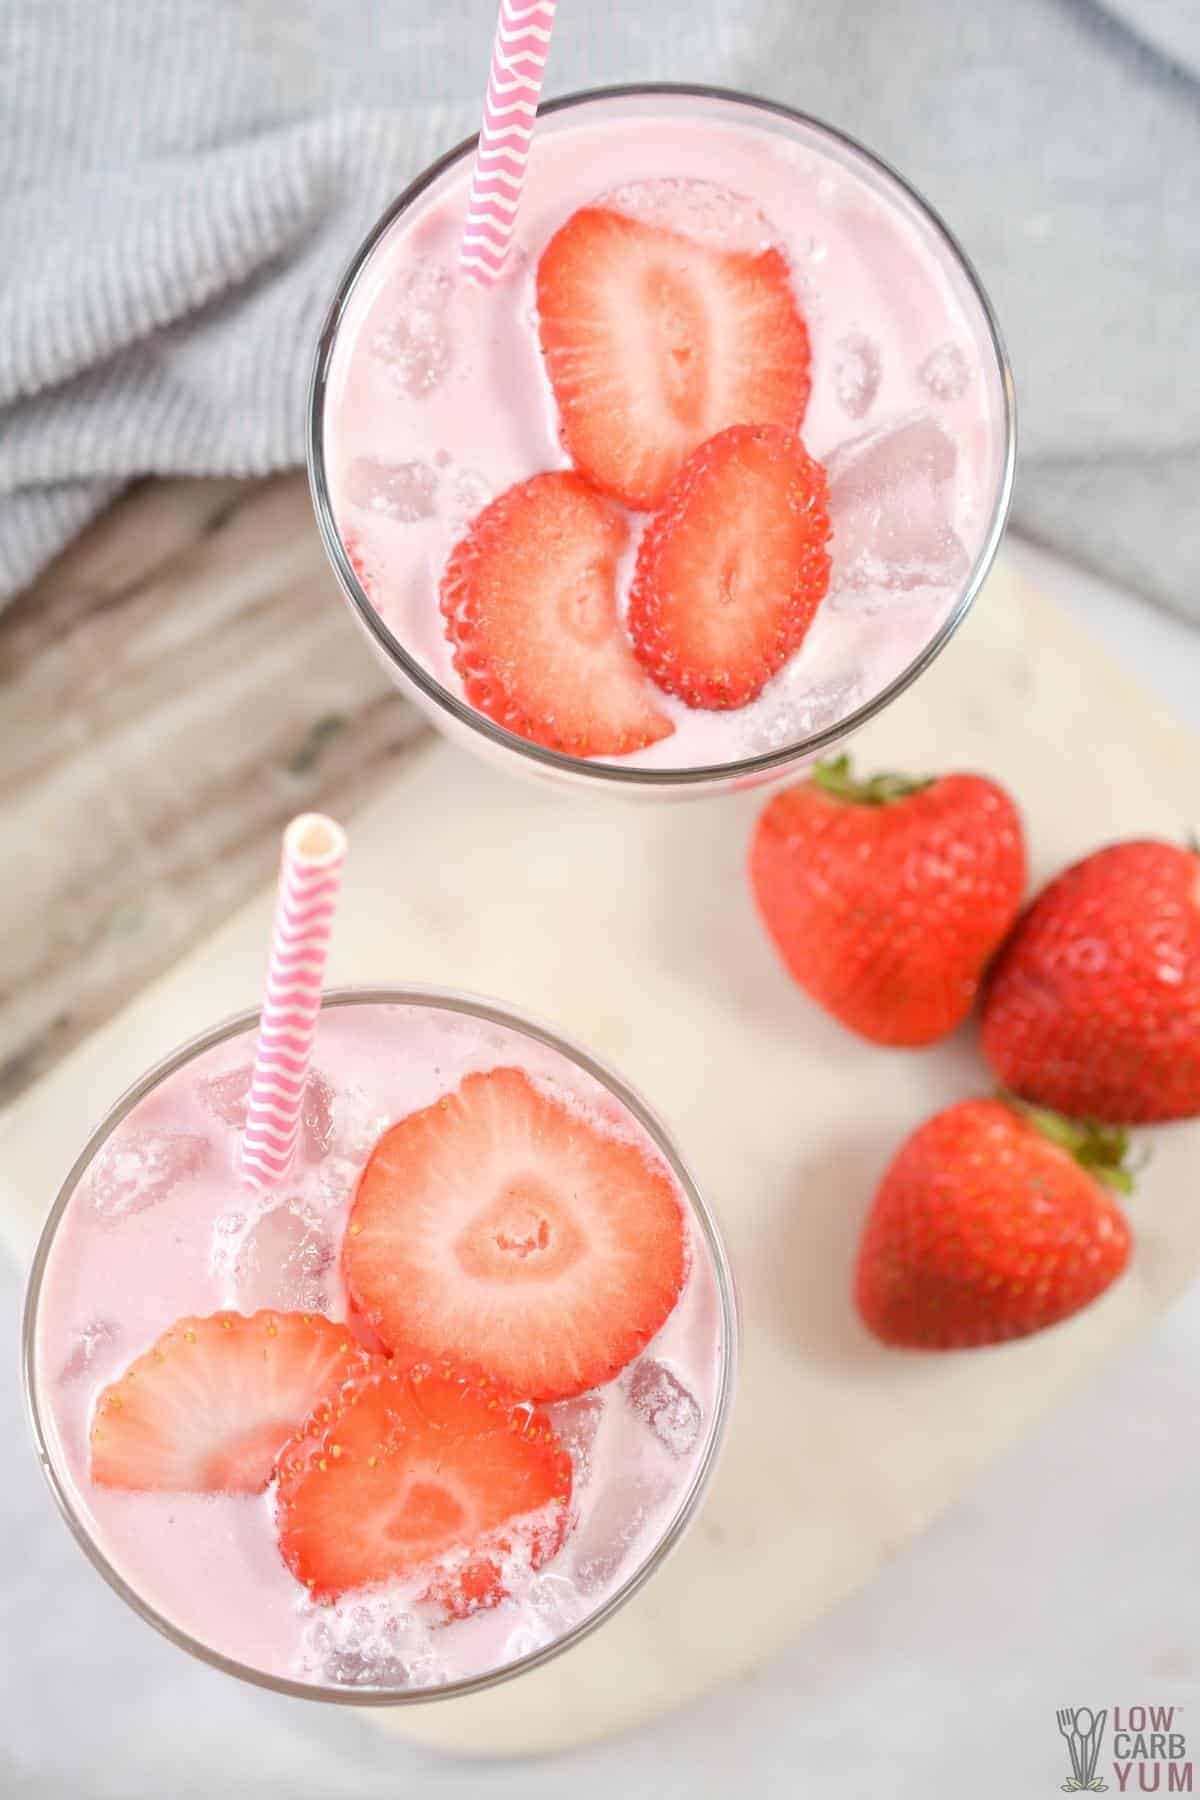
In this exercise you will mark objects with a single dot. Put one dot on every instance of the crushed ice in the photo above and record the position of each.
(370, 1639)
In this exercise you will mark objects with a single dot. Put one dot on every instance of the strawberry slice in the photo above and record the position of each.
(500, 1228)
(654, 342)
(422, 1469)
(361, 561)
(209, 1407)
(529, 599)
(731, 571)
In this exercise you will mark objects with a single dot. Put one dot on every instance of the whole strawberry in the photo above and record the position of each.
(885, 898)
(1094, 1005)
(992, 1221)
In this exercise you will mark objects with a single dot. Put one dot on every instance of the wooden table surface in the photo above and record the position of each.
(181, 681)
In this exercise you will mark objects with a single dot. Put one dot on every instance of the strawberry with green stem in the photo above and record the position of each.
(993, 1220)
(886, 897)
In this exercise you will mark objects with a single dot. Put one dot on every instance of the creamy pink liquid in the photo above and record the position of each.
(438, 400)
(162, 1227)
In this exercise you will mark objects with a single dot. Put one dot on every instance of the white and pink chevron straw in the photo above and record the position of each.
(519, 52)
(310, 874)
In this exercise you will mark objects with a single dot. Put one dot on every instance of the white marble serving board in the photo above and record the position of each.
(631, 927)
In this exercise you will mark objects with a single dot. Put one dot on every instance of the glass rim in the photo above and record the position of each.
(496, 1013)
(594, 768)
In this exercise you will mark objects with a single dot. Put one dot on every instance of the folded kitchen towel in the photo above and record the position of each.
(181, 182)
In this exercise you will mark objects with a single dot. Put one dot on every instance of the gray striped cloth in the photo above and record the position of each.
(181, 182)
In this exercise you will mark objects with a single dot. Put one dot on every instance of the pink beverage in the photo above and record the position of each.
(701, 482)
(206, 1366)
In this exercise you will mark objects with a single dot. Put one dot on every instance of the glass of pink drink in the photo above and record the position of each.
(708, 477)
(423, 1416)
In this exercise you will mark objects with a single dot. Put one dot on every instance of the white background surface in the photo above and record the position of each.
(1068, 1578)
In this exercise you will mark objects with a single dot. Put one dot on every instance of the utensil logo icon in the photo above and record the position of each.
(1083, 1730)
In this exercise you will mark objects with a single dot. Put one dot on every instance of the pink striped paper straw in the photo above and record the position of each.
(310, 874)
(519, 52)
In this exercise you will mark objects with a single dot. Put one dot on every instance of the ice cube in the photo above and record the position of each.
(857, 371)
(945, 372)
(403, 491)
(338, 1179)
(554, 1601)
(577, 1422)
(703, 210)
(416, 345)
(316, 1116)
(526, 1639)
(357, 1122)
(659, 1398)
(546, 1609)
(356, 1126)
(469, 493)
(889, 496)
(829, 702)
(227, 1096)
(603, 1547)
(86, 1345)
(228, 1228)
(802, 710)
(283, 1261)
(136, 1170)
(373, 1642)
(426, 286)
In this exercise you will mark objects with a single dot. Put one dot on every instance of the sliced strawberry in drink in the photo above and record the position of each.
(209, 1407)
(732, 569)
(502, 1229)
(654, 342)
(359, 558)
(418, 1470)
(529, 600)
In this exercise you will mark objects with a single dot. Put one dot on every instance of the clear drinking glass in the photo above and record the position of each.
(57, 1392)
(913, 645)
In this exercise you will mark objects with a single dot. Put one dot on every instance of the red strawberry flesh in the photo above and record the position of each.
(529, 603)
(422, 1471)
(501, 1228)
(209, 1406)
(654, 342)
(731, 570)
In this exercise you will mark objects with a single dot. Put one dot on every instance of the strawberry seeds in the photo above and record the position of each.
(680, 372)
(505, 1253)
